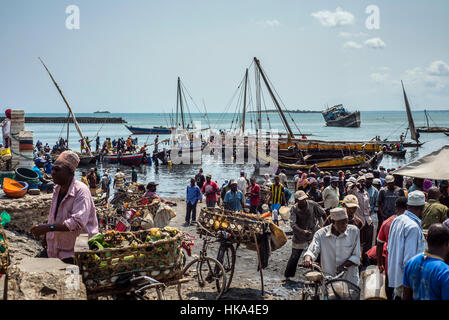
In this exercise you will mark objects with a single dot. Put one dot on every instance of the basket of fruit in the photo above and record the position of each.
(241, 226)
(113, 255)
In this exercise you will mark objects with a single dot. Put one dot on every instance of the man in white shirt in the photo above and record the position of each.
(242, 184)
(331, 195)
(405, 240)
(283, 178)
(338, 244)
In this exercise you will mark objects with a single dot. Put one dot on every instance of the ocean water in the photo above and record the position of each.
(173, 180)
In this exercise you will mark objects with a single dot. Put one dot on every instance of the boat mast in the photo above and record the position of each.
(68, 106)
(68, 128)
(180, 105)
(258, 101)
(411, 124)
(284, 120)
(244, 102)
(427, 118)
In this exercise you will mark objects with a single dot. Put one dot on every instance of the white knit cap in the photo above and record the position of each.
(416, 198)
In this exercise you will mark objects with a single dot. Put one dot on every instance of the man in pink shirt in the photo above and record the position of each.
(255, 196)
(210, 189)
(72, 211)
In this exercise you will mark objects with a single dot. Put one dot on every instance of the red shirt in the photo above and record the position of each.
(210, 187)
(382, 237)
(255, 200)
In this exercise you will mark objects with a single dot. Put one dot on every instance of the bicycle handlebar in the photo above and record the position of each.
(329, 277)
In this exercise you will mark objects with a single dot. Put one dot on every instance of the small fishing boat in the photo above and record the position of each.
(154, 130)
(430, 129)
(396, 153)
(338, 116)
(446, 133)
(14, 189)
(133, 159)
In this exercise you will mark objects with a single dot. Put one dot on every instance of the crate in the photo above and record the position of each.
(161, 260)
(241, 226)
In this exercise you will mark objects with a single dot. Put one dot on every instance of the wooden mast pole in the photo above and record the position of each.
(411, 123)
(68, 128)
(284, 120)
(68, 106)
(180, 103)
(244, 102)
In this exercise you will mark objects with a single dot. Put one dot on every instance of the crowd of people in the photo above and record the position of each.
(348, 221)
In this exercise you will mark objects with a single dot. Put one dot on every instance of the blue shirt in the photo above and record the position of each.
(193, 194)
(405, 241)
(414, 187)
(373, 194)
(35, 186)
(428, 276)
(234, 200)
(48, 167)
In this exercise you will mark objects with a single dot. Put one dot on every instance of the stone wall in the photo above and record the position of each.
(27, 211)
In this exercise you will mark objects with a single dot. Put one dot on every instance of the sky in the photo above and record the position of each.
(126, 55)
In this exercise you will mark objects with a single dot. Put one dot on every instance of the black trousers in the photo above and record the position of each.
(191, 211)
(292, 263)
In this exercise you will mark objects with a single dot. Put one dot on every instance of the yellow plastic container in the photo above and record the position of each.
(5, 153)
(170, 163)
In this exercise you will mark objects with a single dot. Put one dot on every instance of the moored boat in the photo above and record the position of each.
(396, 153)
(133, 159)
(338, 116)
(154, 130)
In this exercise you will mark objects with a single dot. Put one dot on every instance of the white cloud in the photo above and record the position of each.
(334, 19)
(420, 76)
(379, 77)
(344, 34)
(375, 43)
(272, 23)
(438, 68)
(352, 44)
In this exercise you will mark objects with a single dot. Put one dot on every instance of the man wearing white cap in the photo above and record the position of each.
(339, 246)
(72, 211)
(405, 240)
(331, 195)
(387, 199)
(305, 218)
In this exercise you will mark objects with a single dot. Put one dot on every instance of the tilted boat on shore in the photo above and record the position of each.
(338, 116)
(396, 153)
(132, 159)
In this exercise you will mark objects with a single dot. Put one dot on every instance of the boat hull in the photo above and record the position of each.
(137, 130)
(352, 120)
(433, 129)
(127, 159)
(396, 153)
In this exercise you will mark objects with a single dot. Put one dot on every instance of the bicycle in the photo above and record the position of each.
(320, 286)
(227, 256)
(204, 272)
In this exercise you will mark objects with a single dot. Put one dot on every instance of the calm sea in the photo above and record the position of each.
(173, 180)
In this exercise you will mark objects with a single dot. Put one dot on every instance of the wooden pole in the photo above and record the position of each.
(284, 120)
(244, 103)
(260, 263)
(67, 104)
(180, 103)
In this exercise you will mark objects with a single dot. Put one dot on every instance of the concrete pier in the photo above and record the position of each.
(79, 119)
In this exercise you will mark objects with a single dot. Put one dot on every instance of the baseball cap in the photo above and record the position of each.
(334, 179)
(351, 201)
(389, 179)
(208, 175)
(369, 175)
(300, 195)
(37, 160)
(338, 214)
(361, 178)
(352, 179)
(377, 181)
(416, 198)
(232, 182)
(242, 172)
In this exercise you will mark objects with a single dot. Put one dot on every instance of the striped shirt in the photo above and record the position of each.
(276, 193)
(119, 180)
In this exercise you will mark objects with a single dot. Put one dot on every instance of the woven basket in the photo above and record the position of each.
(4, 257)
(240, 226)
(109, 217)
(161, 260)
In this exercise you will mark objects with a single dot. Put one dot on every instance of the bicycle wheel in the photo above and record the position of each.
(203, 275)
(341, 289)
(308, 293)
(227, 256)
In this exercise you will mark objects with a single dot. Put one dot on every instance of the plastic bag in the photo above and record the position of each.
(5, 218)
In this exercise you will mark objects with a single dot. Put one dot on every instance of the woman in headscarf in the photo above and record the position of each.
(427, 185)
(302, 183)
(6, 129)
